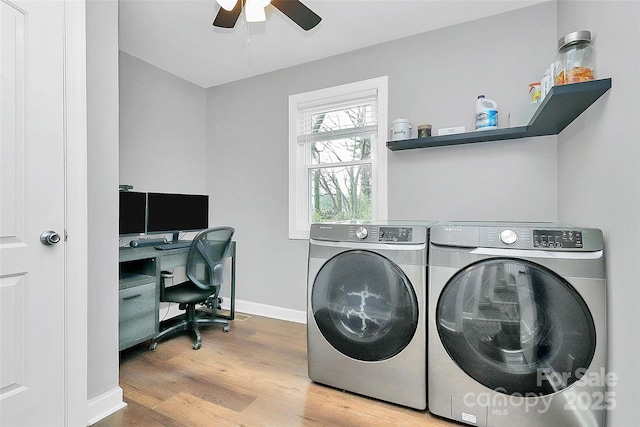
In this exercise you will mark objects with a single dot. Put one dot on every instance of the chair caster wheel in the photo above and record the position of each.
(197, 346)
(225, 329)
(153, 346)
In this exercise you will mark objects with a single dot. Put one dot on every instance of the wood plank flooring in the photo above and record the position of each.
(254, 375)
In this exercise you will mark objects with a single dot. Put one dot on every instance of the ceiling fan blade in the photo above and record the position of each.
(228, 19)
(298, 13)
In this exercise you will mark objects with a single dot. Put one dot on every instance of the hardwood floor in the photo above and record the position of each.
(254, 375)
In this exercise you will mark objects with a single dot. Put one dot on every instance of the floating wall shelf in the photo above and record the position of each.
(560, 107)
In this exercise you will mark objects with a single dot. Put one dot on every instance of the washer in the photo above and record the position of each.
(517, 325)
(366, 317)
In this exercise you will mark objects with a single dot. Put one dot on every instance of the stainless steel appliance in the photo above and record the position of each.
(517, 325)
(366, 326)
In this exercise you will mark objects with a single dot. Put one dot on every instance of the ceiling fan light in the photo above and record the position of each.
(263, 3)
(227, 4)
(254, 12)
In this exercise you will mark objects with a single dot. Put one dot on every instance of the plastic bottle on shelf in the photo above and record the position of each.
(535, 89)
(486, 114)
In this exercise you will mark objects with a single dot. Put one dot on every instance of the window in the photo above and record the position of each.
(337, 155)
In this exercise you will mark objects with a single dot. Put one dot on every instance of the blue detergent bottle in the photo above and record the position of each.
(486, 114)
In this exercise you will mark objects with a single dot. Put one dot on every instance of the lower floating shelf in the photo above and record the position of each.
(560, 107)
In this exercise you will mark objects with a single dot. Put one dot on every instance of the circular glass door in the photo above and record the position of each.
(364, 305)
(516, 327)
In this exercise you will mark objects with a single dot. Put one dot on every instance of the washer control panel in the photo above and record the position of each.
(370, 233)
(395, 234)
(382, 234)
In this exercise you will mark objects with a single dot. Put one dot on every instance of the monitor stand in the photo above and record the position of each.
(175, 238)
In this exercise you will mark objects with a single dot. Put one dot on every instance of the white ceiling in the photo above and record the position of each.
(177, 35)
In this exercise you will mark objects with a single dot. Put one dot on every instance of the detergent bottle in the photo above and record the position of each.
(486, 114)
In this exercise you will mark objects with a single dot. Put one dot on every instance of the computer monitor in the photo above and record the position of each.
(133, 213)
(173, 213)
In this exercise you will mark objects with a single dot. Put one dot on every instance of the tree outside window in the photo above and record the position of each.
(341, 192)
(339, 168)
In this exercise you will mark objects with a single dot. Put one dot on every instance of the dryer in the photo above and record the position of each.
(366, 317)
(517, 325)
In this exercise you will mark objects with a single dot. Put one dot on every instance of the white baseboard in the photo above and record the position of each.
(168, 311)
(271, 311)
(104, 405)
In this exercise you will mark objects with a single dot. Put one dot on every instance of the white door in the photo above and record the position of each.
(32, 200)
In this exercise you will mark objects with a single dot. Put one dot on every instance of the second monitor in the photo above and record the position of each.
(174, 213)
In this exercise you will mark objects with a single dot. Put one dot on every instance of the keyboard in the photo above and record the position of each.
(169, 246)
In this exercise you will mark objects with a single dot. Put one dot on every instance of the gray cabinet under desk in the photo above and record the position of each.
(138, 300)
(139, 290)
(138, 319)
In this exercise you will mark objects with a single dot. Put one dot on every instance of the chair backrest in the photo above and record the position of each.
(205, 263)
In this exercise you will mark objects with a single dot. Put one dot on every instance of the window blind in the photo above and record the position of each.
(339, 117)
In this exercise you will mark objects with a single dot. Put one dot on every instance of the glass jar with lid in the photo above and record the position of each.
(576, 60)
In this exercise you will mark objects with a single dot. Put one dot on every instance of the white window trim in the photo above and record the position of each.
(298, 188)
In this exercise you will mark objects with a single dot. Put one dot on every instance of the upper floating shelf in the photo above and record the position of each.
(560, 107)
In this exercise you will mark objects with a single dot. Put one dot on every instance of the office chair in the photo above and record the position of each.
(205, 267)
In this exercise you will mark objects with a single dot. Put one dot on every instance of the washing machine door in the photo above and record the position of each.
(364, 305)
(516, 327)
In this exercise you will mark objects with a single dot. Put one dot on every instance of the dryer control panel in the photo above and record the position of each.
(536, 236)
(557, 239)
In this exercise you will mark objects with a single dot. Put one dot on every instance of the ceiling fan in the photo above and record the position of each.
(254, 12)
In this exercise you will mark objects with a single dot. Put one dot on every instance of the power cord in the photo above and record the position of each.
(167, 313)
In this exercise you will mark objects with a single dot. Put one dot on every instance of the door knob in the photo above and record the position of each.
(49, 237)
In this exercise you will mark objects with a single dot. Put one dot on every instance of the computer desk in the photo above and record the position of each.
(140, 285)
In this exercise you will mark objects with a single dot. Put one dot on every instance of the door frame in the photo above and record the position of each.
(76, 216)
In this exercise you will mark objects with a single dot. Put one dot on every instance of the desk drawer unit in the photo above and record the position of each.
(138, 314)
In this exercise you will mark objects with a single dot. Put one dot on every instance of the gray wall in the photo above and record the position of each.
(599, 179)
(162, 130)
(429, 82)
(102, 186)
(162, 137)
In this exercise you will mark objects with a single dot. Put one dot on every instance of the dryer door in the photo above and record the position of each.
(364, 305)
(516, 327)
